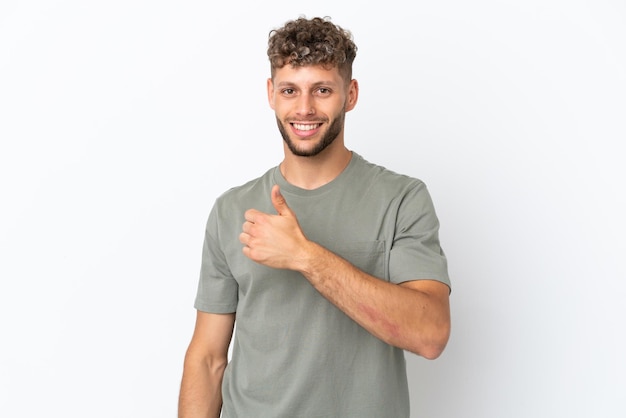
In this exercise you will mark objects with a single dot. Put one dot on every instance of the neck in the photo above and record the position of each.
(314, 172)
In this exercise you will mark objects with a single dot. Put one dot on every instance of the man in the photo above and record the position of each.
(336, 271)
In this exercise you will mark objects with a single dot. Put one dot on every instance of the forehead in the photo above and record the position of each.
(307, 75)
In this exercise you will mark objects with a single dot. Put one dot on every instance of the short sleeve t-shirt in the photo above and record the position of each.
(294, 353)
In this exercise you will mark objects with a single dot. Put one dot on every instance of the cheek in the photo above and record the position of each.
(281, 109)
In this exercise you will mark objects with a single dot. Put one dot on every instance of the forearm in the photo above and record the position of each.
(413, 316)
(201, 391)
(403, 317)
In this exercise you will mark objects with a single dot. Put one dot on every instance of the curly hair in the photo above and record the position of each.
(315, 41)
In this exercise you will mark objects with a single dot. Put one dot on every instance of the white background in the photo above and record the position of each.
(121, 122)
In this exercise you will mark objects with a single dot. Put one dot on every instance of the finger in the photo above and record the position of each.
(279, 202)
(244, 238)
(250, 215)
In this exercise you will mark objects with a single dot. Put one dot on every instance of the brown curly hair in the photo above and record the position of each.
(315, 41)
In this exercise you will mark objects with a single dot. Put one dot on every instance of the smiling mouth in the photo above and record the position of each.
(306, 127)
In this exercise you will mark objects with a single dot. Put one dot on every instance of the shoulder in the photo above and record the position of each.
(248, 194)
(385, 179)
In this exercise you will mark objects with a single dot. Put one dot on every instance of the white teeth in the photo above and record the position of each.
(301, 127)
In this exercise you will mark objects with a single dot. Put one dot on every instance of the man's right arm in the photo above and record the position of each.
(205, 361)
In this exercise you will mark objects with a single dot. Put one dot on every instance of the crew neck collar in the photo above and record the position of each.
(289, 188)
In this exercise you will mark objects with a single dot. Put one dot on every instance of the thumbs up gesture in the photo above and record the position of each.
(274, 240)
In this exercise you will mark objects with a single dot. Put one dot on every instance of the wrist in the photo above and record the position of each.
(308, 257)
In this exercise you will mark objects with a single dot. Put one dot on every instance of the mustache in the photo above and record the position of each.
(314, 119)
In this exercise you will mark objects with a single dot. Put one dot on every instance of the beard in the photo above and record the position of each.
(328, 137)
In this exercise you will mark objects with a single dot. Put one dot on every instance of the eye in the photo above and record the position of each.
(324, 91)
(288, 91)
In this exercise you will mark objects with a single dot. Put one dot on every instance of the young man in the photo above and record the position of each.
(335, 272)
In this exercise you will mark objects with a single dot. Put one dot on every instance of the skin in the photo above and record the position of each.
(310, 104)
(203, 370)
(319, 99)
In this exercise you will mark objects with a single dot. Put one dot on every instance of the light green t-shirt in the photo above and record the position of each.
(294, 353)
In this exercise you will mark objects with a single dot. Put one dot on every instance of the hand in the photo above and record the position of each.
(273, 240)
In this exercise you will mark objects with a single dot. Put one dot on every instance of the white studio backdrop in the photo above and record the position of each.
(122, 121)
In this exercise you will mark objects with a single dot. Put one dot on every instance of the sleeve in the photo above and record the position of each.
(416, 253)
(217, 289)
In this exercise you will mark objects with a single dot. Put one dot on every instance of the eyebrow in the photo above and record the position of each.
(316, 84)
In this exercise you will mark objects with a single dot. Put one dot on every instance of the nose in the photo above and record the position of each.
(305, 105)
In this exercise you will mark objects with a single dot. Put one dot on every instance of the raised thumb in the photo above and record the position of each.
(279, 202)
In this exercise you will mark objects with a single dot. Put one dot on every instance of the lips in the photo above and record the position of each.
(306, 127)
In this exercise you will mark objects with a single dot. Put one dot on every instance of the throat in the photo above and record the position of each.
(311, 173)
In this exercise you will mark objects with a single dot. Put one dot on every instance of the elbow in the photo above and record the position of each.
(433, 345)
(214, 364)
(217, 367)
(438, 343)
(432, 352)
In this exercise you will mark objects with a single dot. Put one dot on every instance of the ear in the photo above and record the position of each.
(353, 95)
(270, 92)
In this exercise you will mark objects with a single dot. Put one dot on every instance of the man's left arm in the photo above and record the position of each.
(414, 315)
